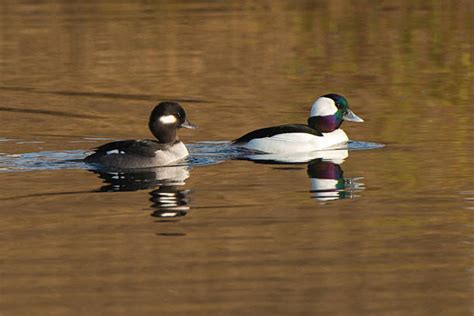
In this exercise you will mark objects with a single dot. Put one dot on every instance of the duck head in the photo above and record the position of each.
(165, 119)
(329, 111)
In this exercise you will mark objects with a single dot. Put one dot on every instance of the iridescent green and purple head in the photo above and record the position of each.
(329, 111)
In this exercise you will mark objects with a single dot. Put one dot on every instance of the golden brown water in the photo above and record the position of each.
(254, 240)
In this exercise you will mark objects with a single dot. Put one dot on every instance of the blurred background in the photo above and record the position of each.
(75, 74)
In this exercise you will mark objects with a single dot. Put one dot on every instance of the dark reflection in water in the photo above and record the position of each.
(324, 170)
(169, 200)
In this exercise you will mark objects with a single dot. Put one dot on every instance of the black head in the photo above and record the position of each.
(165, 119)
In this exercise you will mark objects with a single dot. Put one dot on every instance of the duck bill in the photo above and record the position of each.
(187, 124)
(350, 116)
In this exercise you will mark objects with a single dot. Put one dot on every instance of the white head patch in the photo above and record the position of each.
(323, 106)
(168, 119)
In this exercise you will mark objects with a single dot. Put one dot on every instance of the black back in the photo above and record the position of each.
(144, 148)
(274, 130)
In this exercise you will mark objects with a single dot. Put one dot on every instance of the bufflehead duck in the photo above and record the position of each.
(165, 119)
(327, 114)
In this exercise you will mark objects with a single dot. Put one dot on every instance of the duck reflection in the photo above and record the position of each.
(323, 169)
(169, 200)
(328, 182)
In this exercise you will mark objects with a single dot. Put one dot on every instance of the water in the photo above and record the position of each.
(379, 231)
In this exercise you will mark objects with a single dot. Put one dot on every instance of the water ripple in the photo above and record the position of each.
(201, 154)
(43, 160)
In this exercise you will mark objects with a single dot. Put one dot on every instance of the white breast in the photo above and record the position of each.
(171, 154)
(297, 142)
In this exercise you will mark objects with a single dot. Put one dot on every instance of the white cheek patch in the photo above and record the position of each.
(168, 119)
(323, 106)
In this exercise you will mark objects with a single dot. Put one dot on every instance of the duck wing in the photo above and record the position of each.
(275, 130)
(145, 147)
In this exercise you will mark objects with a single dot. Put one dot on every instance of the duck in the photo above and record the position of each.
(322, 131)
(165, 119)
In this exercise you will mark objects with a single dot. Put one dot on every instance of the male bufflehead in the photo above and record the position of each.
(327, 114)
(165, 119)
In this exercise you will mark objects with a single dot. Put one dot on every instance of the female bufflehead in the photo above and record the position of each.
(322, 131)
(165, 119)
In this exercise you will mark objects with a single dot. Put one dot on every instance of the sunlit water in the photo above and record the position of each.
(383, 226)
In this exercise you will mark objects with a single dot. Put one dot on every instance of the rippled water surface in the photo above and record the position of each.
(387, 230)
